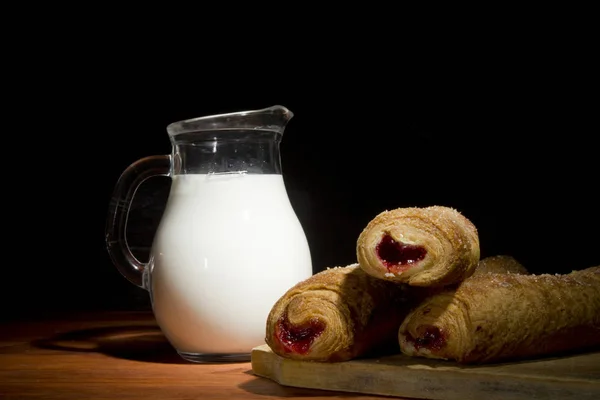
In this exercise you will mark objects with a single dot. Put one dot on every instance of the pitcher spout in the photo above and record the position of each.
(274, 118)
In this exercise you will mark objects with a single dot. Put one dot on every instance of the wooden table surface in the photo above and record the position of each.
(120, 355)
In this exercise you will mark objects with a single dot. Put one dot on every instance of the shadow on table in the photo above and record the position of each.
(138, 343)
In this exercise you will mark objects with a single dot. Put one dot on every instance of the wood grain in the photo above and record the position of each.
(121, 356)
(576, 377)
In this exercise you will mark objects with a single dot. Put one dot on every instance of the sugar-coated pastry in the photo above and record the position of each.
(500, 264)
(336, 315)
(494, 317)
(428, 246)
(343, 313)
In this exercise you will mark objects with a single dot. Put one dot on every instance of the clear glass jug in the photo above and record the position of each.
(229, 243)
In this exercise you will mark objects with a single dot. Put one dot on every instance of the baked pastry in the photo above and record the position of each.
(503, 264)
(343, 313)
(336, 315)
(429, 246)
(493, 317)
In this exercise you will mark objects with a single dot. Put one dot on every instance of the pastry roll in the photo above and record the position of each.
(343, 313)
(502, 264)
(336, 315)
(494, 317)
(430, 246)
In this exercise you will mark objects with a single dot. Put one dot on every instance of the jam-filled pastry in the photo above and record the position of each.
(429, 246)
(499, 317)
(338, 314)
(343, 313)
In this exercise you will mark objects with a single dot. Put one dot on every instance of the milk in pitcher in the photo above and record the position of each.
(224, 234)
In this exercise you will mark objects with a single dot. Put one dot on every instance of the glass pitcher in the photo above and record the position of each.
(228, 244)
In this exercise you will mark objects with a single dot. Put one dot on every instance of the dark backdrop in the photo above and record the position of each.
(512, 146)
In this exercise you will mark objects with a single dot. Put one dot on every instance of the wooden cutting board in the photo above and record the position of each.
(575, 377)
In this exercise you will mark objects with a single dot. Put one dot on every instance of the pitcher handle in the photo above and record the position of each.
(118, 212)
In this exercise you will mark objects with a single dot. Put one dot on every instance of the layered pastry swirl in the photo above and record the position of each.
(336, 315)
(429, 246)
(343, 313)
(494, 317)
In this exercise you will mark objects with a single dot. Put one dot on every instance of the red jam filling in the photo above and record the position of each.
(397, 256)
(432, 339)
(297, 339)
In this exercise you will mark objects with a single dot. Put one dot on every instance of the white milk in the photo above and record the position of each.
(228, 246)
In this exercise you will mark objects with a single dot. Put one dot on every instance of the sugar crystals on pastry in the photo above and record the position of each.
(428, 246)
(336, 315)
(493, 317)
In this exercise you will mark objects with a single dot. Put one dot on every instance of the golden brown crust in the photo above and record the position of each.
(357, 313)
(492, 317)
(450, 241)
(500, 264)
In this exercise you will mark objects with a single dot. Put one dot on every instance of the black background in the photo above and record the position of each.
(507, 136)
